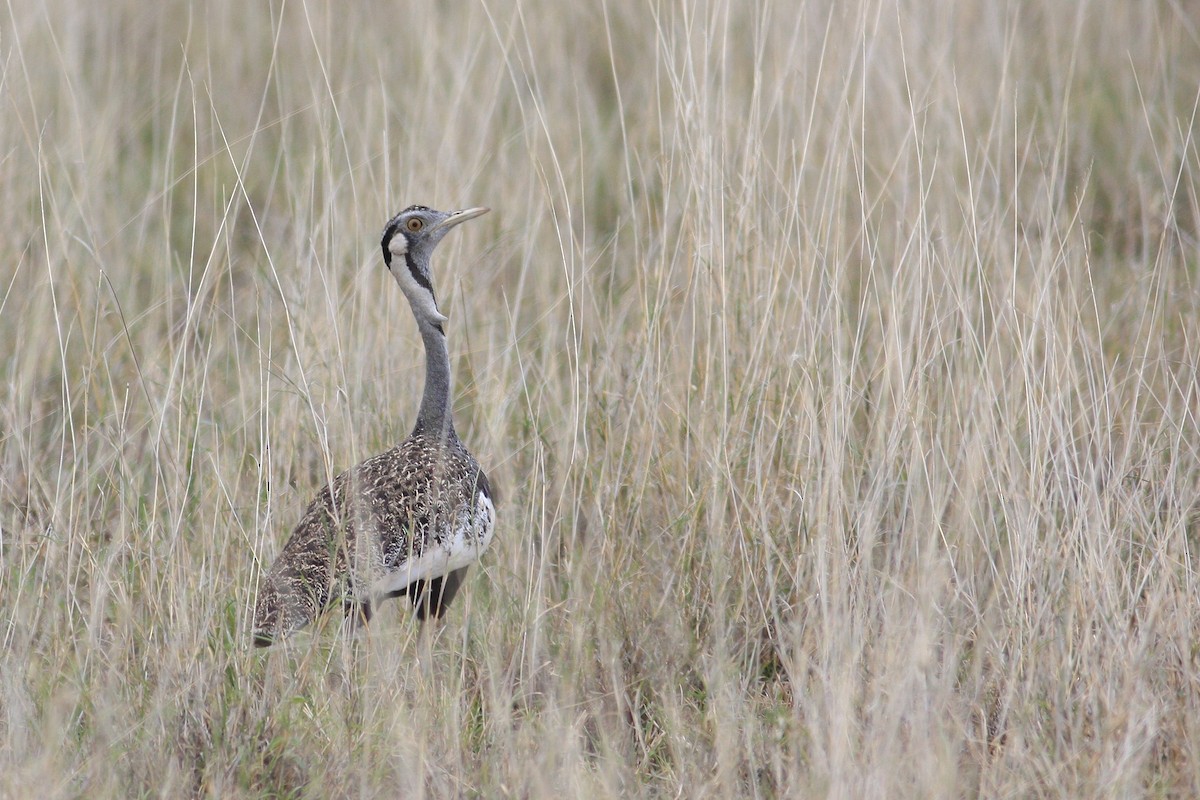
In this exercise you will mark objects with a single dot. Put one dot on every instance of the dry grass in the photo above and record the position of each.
(836, 362)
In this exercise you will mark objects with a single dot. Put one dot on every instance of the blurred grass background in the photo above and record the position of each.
(836, 363)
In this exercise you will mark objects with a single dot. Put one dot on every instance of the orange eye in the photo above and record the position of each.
(415, 225)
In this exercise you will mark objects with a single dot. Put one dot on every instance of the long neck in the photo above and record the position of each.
(434, 416)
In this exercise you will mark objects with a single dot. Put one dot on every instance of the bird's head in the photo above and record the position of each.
(408, 243)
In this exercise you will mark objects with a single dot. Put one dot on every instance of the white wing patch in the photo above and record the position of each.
(471, 538)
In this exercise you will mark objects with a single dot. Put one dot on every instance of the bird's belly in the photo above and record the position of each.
(461, 549)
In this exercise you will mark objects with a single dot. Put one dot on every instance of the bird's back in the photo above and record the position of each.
(406, 517)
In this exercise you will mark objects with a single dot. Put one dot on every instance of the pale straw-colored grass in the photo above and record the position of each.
(836, 363)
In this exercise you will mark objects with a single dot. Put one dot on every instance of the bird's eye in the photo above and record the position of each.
(415, 225)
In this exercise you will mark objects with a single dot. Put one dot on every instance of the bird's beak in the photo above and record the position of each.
(459, 216)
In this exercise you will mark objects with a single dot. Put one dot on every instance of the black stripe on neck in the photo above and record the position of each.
(421, 280)
(386, 242)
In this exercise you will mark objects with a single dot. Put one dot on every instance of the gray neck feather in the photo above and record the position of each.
(434, 416)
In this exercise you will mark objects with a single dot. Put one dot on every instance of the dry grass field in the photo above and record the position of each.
(836, 363)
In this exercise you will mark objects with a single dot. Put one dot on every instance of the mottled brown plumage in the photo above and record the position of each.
(389, 510)
(407, 521)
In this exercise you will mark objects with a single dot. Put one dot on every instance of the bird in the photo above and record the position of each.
(408, 521)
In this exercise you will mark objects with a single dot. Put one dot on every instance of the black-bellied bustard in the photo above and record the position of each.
(408, 521)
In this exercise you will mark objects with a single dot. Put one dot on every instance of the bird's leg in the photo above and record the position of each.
(358, 613)
(425, 649)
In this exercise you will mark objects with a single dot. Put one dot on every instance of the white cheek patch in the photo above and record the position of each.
(398, 245)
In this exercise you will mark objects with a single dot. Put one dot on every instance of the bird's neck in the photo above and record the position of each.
(434, 416)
